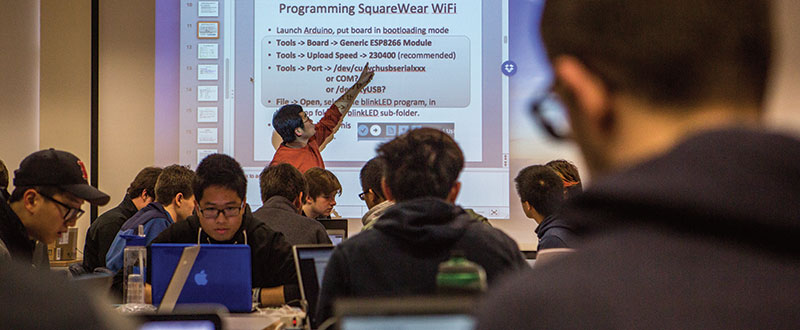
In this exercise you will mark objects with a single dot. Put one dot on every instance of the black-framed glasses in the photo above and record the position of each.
(72, 213)
(362, 194)
(229, 212)
(551, 114)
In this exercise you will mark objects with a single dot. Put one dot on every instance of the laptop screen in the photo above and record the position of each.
(310, 262)
(399, 313)
(417, 322)
(179, 321)
(336, 238)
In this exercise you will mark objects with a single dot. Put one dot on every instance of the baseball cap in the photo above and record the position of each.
(61, 169)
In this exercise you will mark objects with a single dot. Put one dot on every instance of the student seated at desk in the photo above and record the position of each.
(224, 218)
(400, 255)
(174, 203)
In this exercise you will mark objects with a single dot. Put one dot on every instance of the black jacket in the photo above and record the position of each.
(402, 254)
(14, 235)
(102, 232)
(705, 236)
(555, 233)
(280, 215)
(272, 261)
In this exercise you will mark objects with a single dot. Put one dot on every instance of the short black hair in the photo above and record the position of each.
(44, 190)
(321, 182)
(220, 170)
(144, 181)
(424, 162)
(281, 180)
(675, 53)
(371, 175)
(569, 174)
(286, 119)
(541, 187)
(174, 179)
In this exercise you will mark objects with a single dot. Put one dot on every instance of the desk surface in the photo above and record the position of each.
(63, 263)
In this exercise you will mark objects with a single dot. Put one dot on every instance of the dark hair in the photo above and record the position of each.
(174, 179)
(286, 119)
(371, 175)
(569, 175)
(219, 170)
(541, 187)
(421, 163)
(281, 180)
(683, 52)
(44, 190)
(321, 182)
(3, 175)
(144, 181)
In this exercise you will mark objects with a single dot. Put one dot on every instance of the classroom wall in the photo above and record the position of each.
(65, 83)
(126, 77)
(19, 88)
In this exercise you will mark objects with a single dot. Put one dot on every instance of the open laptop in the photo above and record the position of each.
(336, 228)
(310, 262)
(220, 275)
(179, 321)
(425, 313)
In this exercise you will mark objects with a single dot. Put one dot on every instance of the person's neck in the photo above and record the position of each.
(139, 203)
(173, 213)
(309, 212)
(644, 133)
(24, 216)
(298, 143)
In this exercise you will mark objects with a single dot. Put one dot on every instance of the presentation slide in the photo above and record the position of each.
(225, 67)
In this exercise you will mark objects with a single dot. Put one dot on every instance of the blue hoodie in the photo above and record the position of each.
(154, 218)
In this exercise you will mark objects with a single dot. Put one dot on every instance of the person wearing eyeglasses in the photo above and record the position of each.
(223, 217)
(50, 188)
(372, 193)
(283, 190)
(174, 203)
(302, 139)
(693, 213)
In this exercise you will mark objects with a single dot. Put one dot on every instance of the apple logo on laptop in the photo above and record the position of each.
(200, 278)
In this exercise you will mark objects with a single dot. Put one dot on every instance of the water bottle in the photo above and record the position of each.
(135, 259)
(459, 275)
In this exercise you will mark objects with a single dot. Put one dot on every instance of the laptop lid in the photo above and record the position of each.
(220, 275)
(310, 262)
(431, 312)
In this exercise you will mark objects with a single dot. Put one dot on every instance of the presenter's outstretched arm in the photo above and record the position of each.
(346, 100)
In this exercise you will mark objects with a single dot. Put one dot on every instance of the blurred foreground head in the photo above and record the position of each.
(638, 76)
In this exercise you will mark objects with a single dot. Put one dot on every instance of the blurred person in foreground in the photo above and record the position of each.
(692, 219)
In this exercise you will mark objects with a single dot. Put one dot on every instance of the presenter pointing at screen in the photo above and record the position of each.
(301, 138)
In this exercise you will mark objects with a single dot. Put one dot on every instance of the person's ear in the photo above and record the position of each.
(387, 192)
(298, 131)
(308, 199)
(526, 207)
(298, 202)
(590, 92)
(372, 196)
(178, 200)
(29, 200)
(454, 190)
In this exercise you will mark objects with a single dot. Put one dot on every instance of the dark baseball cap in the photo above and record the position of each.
(61, 169)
